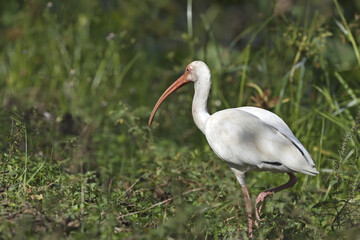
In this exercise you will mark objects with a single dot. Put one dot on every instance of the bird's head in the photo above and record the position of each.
(194, 72)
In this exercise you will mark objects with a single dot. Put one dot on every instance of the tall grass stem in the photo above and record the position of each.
(348, 32)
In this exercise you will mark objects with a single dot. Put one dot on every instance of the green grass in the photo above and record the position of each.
(78, 80)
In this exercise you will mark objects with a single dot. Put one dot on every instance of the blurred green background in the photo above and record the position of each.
(78, 80)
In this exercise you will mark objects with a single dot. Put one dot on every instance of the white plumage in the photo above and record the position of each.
(246, 138)
(254, 139)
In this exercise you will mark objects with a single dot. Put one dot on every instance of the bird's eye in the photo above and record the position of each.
(188, 69)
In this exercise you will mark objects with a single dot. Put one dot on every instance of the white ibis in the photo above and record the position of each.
(246, 138)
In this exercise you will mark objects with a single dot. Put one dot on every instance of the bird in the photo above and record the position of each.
(247, 138)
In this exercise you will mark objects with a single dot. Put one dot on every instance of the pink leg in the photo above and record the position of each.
(249, 209)
(261, 197)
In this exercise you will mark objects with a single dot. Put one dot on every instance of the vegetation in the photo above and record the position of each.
(78, 80)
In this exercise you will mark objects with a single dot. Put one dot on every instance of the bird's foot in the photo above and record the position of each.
(250, 220)
(258, 220)
(259, 203)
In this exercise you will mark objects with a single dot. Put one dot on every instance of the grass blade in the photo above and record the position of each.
(348, 31)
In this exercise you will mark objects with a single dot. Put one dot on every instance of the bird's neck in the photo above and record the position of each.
(199, 104)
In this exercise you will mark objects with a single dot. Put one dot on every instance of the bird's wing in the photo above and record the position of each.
(271, 119)
(248, 138)
(276, 122)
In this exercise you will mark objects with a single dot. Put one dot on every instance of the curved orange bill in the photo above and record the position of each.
(176, 85)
